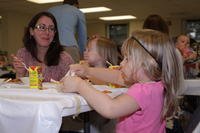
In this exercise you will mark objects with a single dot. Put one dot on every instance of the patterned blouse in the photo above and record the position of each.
(49, 72)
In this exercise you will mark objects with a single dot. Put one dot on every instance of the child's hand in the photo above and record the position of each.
(79, 70)
(72, 84)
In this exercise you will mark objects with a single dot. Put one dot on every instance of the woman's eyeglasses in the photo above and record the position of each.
(42, 27)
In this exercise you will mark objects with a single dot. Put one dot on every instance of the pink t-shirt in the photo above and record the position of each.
(54, 72)
(149, 96)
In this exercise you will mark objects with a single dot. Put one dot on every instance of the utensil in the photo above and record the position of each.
(24, 65)
(108, 63)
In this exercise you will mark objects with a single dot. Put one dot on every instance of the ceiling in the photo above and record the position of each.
(183, 9)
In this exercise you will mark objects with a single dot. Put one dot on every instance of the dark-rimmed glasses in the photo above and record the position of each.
(42, 27)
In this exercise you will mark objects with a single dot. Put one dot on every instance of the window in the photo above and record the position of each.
(117, 32)
(193, 29)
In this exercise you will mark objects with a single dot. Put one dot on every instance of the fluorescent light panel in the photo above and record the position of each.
(44, 1)
(123, 17)
(95, 9)
(84, 10)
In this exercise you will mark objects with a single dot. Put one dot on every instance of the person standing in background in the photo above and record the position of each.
(156, 22)
(71, 21)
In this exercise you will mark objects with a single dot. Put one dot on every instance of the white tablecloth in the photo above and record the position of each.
(24, 110)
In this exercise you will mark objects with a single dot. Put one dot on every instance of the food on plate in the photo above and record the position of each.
(106, 91)
(17, 81)
(83, 62)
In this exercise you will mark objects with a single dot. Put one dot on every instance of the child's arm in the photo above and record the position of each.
(104, 74)
(111, 108)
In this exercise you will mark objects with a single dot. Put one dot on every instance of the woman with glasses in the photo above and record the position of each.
(42, 48)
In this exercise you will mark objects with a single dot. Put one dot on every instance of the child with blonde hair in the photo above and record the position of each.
(183, 45)
(150, 69)
(99, 51)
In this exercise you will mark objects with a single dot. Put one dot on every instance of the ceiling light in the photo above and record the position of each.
(44, 1)
(95, 9)
(0, 17)
(123, 17)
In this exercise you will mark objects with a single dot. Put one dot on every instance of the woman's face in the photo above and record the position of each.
(91, 55)
(44, 31)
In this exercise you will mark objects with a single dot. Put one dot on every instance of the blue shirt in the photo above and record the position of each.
(71, 22)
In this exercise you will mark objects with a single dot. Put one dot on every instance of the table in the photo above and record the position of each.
(25, 110)
(192, 87)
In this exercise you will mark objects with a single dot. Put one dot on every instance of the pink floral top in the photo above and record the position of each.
(49, 72)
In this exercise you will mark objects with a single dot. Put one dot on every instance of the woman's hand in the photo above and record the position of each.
(18, 66)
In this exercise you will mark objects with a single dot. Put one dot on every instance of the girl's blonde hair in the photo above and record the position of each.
(107, 49)
(155, 53)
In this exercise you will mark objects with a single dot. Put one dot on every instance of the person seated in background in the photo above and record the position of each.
(188, 54)
(42, 48)
(98, 53)
(6, 69)
(101, 52)
(183, 45)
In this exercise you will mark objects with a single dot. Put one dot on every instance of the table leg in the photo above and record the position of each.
(86, 122)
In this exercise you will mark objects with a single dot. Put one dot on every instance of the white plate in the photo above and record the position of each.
(25, 80)
(1, 80)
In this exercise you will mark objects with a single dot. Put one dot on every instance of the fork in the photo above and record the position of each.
(24, 65)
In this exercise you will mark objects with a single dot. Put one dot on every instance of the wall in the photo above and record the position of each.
(12, 27)
(175, 27)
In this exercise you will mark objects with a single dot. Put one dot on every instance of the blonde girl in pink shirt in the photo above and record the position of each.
(151, 70)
